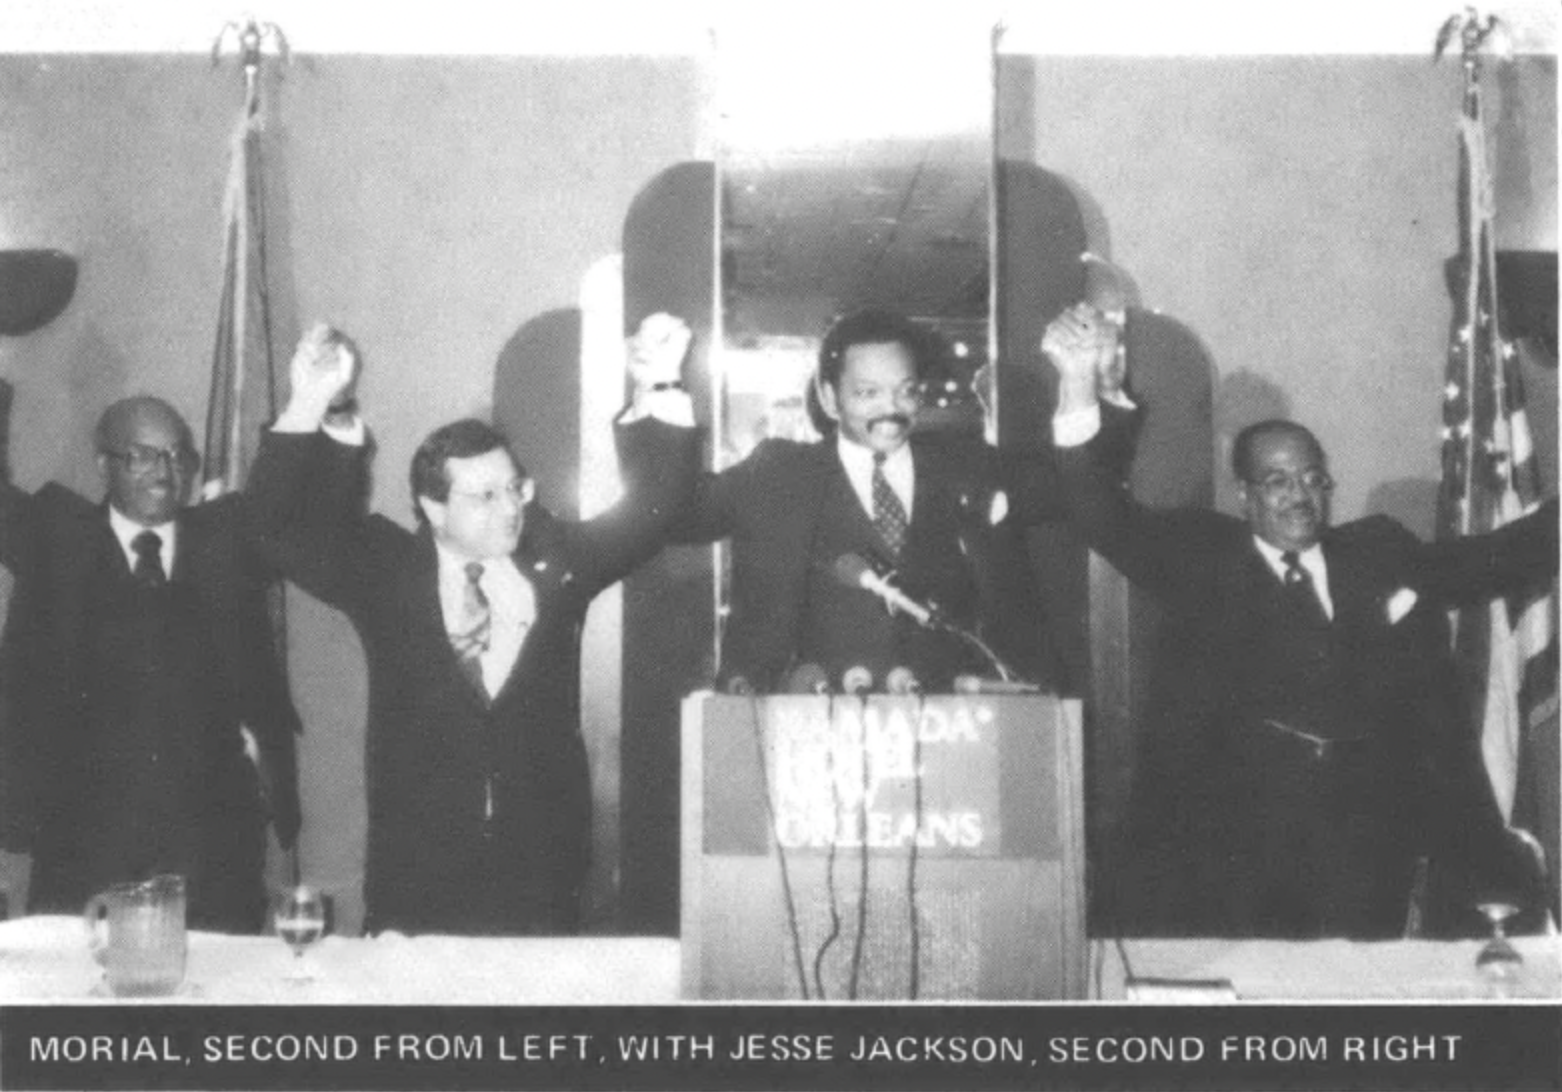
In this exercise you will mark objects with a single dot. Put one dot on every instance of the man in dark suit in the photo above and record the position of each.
(139, 646)
(939, 512)
(479, 794)
(1305, 746)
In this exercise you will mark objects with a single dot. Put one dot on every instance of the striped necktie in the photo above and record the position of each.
(473, 638)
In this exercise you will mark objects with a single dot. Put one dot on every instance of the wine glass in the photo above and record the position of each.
(299, 914)
(1498, 962)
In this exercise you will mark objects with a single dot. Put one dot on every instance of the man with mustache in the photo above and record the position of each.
(139, 645)
(941, 512)
(1304, 743)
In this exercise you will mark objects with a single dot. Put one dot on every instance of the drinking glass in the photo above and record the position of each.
(299, 914)
(1498, 961)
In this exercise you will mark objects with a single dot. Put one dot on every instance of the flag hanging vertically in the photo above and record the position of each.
(1507, 650)
(243, 387)
(243, 394)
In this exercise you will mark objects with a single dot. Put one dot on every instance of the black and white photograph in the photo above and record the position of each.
(729, 545)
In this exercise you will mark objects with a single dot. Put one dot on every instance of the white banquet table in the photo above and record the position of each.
(1322, 970)
(44, 959)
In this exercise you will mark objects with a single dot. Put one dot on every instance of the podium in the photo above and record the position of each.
(883, 848)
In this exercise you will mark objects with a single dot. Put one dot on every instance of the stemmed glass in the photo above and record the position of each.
(299, 914)
(1498, 962)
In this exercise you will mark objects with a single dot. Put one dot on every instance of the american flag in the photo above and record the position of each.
(1490, 477)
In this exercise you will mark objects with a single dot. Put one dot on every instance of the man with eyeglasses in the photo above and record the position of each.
(479, 794)
(1304, 744)
(139, 649)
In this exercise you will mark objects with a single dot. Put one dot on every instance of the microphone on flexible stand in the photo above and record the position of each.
(808, 679)
(975, 684)
(854, 572)
(856, 680)
(901, 680)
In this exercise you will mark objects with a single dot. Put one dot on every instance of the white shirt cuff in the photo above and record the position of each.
(671, 407)
(1076, 427)
(1120, 399)
(352, 433)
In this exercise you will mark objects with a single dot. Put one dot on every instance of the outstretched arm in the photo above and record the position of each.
(1510, 561)
(304, 496)
(658, 452)
(1148, 547)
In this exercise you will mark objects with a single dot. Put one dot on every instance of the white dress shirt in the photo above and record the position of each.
(126, 529)
(512, 605)
(1310, 559)
(898, 470)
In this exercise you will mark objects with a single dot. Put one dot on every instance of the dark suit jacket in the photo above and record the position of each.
(124, 756)
(790, 512)
(479, 814)
(1241, 824)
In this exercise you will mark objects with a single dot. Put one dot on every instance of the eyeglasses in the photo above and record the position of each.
(1279, 483)
(519, 491)
(140, 459)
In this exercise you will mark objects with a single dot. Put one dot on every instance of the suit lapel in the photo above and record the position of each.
(547, 577)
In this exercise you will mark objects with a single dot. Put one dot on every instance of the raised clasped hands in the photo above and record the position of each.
(1081, 343)
(657, 349)
(323, 369)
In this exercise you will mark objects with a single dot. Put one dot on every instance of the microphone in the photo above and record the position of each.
(856, 680)
(901, 680)
(854, 572)
(808, 679)
(738, 685)
(975, 684)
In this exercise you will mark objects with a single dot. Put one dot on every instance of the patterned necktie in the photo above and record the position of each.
(889, 515)
(472, 640)
(1299, 588)
(148, 569)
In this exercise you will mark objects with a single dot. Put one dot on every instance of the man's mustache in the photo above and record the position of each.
(900, 419)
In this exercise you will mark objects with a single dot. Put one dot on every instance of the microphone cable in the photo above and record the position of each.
(862, 850)
(829, 862)
(916, 841)
(757, 725)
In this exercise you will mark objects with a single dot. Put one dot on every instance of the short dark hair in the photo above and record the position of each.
(1247, 439)
(107, 436)
(458, 440)
(875, 326)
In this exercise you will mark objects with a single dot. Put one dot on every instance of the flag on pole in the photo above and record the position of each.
(243, 396)
(243, 388)
(1507, 650)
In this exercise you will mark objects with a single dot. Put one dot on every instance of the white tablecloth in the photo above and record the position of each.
(45, 959)
(1325, 970)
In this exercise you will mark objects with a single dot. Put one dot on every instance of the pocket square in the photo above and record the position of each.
(1399, 604)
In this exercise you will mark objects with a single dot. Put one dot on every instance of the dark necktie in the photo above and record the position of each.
(1299, 589)
(472, 639)
(148, 569)
(889, 515)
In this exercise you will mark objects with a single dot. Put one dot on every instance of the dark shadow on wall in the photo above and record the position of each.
(668, 266)
(537, 404)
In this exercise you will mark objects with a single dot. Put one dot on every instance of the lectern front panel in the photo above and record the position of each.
(841, 848)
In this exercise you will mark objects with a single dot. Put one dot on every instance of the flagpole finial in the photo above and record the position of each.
(252, 41)
(1474, 32)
